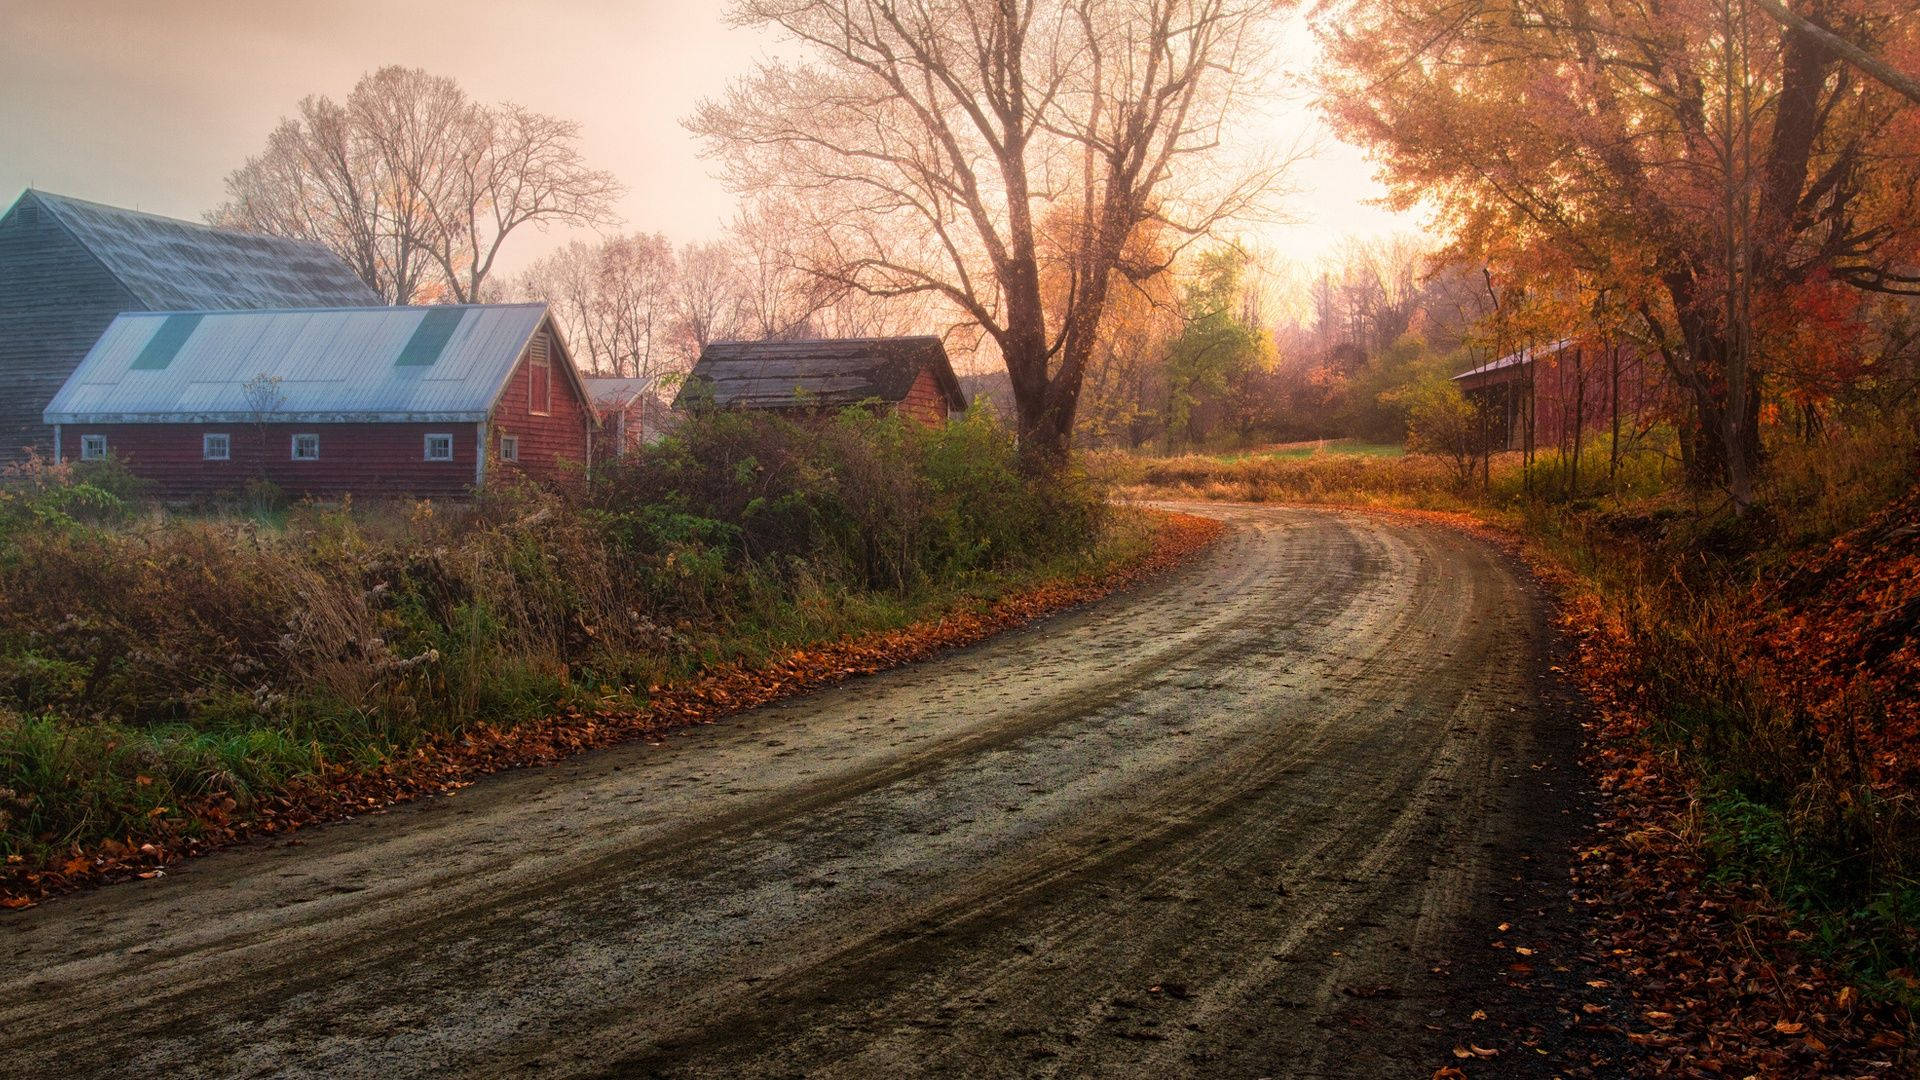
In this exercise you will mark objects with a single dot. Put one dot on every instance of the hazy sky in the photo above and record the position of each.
(149, 103)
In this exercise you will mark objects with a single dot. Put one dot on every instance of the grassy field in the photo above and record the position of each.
(1318, 448)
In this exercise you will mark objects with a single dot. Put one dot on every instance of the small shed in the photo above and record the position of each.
(1563, 387)
(407, 401)
(68, 266)
(909, 375)
(632, 413)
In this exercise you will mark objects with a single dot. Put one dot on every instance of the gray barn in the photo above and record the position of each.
(67, 267)
(909, 375)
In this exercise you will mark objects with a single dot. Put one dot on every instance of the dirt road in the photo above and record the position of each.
(1249, 820)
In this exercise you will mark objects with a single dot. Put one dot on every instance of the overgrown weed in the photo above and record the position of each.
(149, 659)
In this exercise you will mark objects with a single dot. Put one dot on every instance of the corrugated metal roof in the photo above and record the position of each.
(334, 365)
(173, 265)
(1524, 356)
(617, 392)
(828, 373)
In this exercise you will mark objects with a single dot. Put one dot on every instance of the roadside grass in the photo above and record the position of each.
(1407, 481)
(152, 662)
(1315, 448)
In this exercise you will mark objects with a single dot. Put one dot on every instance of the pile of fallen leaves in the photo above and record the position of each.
(452, 763)
(1719, 981)
(1839, 637)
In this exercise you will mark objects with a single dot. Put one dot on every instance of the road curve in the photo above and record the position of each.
(1242, 821)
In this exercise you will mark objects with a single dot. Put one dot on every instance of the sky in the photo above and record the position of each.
(150, 103)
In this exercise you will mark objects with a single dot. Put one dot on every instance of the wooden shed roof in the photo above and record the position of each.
(824, 373)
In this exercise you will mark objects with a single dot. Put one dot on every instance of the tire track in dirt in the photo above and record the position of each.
(1272, 779)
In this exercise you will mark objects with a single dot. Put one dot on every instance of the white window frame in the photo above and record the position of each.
(509, 447)
(426, 452)
(295, 446)
(93, 447)
(207, 445)
(540, 358)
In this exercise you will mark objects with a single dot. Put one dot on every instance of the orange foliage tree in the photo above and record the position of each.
(1711, 171)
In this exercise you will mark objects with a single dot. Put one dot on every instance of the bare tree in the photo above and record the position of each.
(617, 300)
(708, 293)
(777, 291)
(925, 138)
(414, 185)
(322, 179)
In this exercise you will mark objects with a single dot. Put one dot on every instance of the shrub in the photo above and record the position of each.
(146, 659)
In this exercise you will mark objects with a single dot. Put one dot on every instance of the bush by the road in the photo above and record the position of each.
(150, 659)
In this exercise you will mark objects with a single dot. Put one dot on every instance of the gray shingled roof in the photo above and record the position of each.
(827, 373)
(172, 265)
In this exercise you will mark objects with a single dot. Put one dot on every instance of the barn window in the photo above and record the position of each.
(539, 375)
(216, 447)
(439, 448)
(306, 448)
(93, 447)
(509, 447)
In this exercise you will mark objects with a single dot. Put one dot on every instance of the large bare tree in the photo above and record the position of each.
(922, 140)
(414, 185)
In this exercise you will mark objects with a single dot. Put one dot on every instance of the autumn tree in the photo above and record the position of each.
(925, 139)
(1219, 347)
(1124, 390)
(1443, 423)
(1712, 171)
(414, 185)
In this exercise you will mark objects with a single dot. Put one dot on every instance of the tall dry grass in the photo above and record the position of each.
(147, 658)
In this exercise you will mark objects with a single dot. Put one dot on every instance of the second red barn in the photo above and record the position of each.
(404, 401)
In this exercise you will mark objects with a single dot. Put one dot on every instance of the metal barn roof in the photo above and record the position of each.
(170, 264)
(442, 363)
(1486, 371)
(617, 391)
(826, 373)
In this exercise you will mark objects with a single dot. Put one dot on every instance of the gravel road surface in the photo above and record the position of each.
(1251, 819)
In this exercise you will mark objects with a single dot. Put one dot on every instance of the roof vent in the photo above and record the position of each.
(165, 343)
(27, 215)
(430, 338)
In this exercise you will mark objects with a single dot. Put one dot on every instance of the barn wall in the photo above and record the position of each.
(552, 447)
(55, 301)
(924, 401)
(1569, 395)
(362, 459)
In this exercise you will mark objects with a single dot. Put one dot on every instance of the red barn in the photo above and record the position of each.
(1564, 389)
(403, 401)
(631, 412)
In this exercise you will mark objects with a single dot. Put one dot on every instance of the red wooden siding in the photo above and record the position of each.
(1573, 388)
(363, 459)
(924, 401)
(552, 447)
